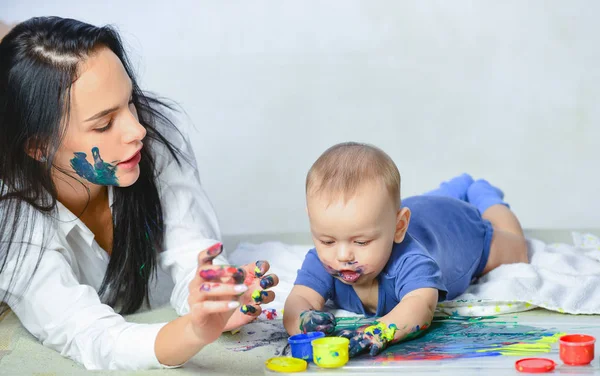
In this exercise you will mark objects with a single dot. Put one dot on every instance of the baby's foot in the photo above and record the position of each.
(482, 195)
(456, 187)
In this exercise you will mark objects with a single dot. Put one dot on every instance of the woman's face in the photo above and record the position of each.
(103, 136)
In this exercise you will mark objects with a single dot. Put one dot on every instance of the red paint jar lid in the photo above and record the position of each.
(535, 365)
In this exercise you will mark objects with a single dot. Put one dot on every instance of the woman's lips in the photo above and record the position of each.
(131, 162)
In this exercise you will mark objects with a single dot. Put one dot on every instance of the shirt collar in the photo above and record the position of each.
(67, 221)
(110, 197)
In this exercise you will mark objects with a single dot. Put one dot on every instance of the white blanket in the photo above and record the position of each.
(560, 277)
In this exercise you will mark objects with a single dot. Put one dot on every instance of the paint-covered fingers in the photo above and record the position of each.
(317, 321)
(242, 316)
(269, 281)
(206, 256)
(261, 268)
(376, 349)
(222, 289)
(358, 344)
(250, 310)
(217, 293)
(257, 282)
(376, 343)
(222, 274)
(366, 342)
(347, 333)
(262, 296)
(216, 306)
(256, 271)
(374, 338)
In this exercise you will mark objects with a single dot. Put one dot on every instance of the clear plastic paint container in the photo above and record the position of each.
(577, 349)
(330, 352)
(300, 344)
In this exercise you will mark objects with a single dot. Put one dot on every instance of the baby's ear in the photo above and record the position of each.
(402, 220)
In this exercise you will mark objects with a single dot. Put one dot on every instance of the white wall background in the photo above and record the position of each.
(509, 91)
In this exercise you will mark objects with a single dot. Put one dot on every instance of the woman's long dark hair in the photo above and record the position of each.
(38, 63)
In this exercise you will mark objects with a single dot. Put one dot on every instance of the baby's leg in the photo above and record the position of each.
(456, 187)
(508, 243)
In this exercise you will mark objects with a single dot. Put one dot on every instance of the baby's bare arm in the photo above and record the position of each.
(301, 299)
(413, 314)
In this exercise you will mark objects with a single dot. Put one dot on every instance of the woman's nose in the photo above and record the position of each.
(134, 131)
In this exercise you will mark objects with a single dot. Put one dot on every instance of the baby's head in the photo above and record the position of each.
(353, 204)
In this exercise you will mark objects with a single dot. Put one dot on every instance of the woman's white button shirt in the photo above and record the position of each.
(61, 306)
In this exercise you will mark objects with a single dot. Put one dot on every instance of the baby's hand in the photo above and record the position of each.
(375, 338)
(317, 321)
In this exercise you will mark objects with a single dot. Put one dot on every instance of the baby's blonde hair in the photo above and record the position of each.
(342, 168)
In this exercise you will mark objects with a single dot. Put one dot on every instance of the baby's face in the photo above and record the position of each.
(354, 239)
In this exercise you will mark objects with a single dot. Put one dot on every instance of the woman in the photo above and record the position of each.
(98, 193)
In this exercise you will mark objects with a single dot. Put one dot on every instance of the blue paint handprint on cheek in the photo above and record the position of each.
(97, 159)
(100, 172)
(82, 167)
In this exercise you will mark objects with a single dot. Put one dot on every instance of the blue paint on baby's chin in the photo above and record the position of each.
(337, 273)
(100, 172)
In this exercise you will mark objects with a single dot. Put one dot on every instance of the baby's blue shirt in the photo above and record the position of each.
(446, 246)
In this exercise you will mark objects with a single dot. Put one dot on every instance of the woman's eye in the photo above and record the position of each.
(104, 129)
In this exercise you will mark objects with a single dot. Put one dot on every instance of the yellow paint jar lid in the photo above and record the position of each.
(285, 364)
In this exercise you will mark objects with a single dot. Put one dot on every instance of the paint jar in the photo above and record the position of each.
(577, 349)
(330, 352)
(301, 344)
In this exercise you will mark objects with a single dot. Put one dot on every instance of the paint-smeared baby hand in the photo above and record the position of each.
(317, 321)
(374, 338)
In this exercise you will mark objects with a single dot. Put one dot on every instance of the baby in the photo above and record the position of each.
(378, 256)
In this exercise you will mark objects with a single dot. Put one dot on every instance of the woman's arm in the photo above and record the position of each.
(69, 317)
(190, 226)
